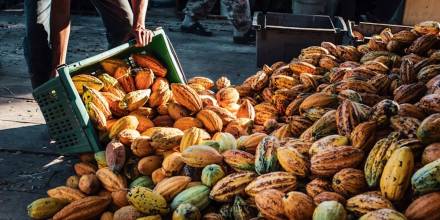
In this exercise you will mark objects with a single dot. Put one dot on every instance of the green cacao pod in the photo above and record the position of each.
(266, 155)
(100, 159)
(226, 211)
(427, 178)
(239, 160)
(186, 211)
(241, 210)
(330, 210)
(211, 174)
(429, 130)
(324, 126)
(377, 159)
(196, 195)
(144, 181)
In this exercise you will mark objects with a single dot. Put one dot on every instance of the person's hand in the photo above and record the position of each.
(142, 35)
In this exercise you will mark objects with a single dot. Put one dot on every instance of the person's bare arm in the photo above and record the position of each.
(59, 31)
(143, 36)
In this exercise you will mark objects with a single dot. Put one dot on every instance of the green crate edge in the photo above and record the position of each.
(161, 47)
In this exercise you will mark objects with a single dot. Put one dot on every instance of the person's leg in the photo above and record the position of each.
(240, 16)
(36, 41)
(117, 17)
(195, 10)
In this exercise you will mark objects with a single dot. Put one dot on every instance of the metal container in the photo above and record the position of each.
(280, 37)
(369, 29)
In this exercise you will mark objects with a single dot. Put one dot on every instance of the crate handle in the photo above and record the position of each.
(62, 73)
(262, 20)
(107, 54)
(353, 40)
(256, 23)
(341, 19)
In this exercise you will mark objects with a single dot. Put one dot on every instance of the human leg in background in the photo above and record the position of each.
(195, 10)
(240, 16)
(59, 33)
(36, 41)
(117, 17)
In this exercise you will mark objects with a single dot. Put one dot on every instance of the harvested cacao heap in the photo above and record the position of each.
(340, 132)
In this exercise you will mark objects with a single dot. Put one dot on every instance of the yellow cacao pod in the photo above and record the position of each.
(45, 207)
(201, 156)
(397, 174)
(192, 136)
(147, 201)
(126, 122)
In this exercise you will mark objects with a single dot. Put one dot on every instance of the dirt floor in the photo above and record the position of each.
(28, 164)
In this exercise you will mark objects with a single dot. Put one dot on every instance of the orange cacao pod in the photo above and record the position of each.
(89, 184)
(317, 186)
(177, 111)
(148, 164)
(227, 96)
(185, 123)
(328, 196)
(123, 75)
(119, 198)
(330, 161)
(349, 182)
(141, 147)
(111, 181)
(160, 83)
(83, 168)
(144, 78)
(211, 121)
(425, 207)
(65, 193)
(187, 97)
(270, 204)
(85, 208)
(298, 205)
(150, 62)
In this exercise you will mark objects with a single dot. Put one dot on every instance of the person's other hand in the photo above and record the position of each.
(142, 35)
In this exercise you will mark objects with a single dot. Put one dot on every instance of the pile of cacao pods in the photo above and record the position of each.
(340, 132)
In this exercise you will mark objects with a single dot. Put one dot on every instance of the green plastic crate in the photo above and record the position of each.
(66, 117)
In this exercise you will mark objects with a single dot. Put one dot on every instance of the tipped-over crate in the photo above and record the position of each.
(70, 127)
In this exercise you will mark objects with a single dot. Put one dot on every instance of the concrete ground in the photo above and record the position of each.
(28, 164)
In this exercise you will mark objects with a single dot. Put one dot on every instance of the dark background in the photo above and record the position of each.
(358, 10)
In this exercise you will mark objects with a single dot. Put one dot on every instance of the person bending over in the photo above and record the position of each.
(48, 29)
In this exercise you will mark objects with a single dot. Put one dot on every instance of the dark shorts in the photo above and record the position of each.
(116, 15)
